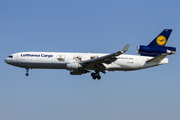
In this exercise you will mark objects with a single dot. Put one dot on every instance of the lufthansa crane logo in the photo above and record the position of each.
(161, 40)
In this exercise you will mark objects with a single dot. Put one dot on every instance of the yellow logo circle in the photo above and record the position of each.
(161, 40)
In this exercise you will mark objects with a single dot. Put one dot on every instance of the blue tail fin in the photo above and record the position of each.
(161, 39)
(157, 46)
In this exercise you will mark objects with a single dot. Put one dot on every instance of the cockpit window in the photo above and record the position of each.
(10, 56)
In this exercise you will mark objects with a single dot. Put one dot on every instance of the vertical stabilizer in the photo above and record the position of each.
(161, 39)
(157, 46)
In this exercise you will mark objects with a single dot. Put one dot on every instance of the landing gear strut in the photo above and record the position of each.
(96, 75)
(27, 70)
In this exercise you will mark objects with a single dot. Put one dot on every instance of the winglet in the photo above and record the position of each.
(125, 48)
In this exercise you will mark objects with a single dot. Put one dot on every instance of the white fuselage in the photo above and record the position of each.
(59, 60)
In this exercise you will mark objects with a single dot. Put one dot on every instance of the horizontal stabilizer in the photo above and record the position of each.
(158, 58)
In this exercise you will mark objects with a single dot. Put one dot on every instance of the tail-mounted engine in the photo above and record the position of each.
(154, 51)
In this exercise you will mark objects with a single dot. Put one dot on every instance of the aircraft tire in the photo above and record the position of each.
(27, 74)
(93, 75)
(98, 77)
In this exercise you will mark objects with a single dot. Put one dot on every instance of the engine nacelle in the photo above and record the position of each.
(78, 72)
(73, 66)
(154, 51)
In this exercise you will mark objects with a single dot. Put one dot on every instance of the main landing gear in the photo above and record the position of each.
(96, 75)
(27, 70)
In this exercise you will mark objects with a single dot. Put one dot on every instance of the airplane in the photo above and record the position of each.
(153, 54)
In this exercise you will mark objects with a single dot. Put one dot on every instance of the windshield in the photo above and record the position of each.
(10, 56)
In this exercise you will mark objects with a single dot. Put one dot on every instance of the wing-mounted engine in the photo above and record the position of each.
(76, 68)
(73, 66)
(154, 51)
(78, 72)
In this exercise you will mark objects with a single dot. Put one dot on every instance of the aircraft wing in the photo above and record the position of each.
(105, 59)
(158, 58)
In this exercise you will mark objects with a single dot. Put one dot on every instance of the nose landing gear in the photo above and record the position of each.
(27, 70)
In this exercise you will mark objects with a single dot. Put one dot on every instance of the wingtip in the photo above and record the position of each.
(126, 47)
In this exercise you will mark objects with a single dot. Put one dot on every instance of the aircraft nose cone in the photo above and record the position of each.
(7, 61)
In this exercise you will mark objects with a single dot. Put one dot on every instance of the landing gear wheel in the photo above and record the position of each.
(93, 75)
(27, 74)
(27, 70)
(96, 75)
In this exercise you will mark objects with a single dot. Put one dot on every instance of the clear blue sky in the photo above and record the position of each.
(102, 26)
